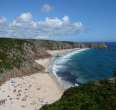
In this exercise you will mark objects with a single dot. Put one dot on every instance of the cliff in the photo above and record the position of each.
(17, 56)
(55, 45)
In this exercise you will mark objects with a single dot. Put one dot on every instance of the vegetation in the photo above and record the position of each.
(16, 52)
(17, 56)
(20, 54)
(100, 95)
(12, 53)
(54, 45)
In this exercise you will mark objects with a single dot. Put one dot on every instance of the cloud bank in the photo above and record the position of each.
(24, 26)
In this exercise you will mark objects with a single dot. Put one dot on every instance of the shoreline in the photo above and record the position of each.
(49, 62)
(64, 85)
(33, 91)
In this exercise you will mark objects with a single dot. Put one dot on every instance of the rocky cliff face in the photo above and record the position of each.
(55, 45)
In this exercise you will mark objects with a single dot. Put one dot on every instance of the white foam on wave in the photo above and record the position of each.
(73, 53)
(58, 65)
(66, 57)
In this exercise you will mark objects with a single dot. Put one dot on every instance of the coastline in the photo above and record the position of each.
(63, 54)
(56, 55)
(34, 91)
(49, 62)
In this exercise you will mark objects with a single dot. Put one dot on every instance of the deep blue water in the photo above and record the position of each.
(89, 65)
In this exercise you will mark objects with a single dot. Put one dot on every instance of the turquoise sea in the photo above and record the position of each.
(77, 68)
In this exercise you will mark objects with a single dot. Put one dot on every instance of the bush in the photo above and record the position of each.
(96, 96)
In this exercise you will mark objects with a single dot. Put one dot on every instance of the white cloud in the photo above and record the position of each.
(24, 26)
(2, 20)
(51, 22)
(25, 17)
(63, 26)
(78, 24)
(46, 8)
(66, 19)
(24, 20)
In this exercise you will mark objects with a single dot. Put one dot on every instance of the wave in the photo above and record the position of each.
(59, 64)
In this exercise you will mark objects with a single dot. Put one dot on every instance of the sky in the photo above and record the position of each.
(75, 20)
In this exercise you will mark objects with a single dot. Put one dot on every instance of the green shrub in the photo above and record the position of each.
(101, 96)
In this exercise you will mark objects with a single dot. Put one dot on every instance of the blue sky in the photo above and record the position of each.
(78, 20)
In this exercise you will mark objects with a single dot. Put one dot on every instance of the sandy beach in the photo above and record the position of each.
(31, 92)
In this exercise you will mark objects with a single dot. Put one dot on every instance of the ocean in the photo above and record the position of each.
(77, 68)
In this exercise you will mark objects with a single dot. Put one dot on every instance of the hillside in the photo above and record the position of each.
(55, 45)
(99, 95)
(17, 56)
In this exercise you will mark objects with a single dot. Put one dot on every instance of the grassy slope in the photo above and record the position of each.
(17, 58)
(97, 96)
(12, 53)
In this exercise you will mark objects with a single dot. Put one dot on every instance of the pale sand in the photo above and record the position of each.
(31, 92)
